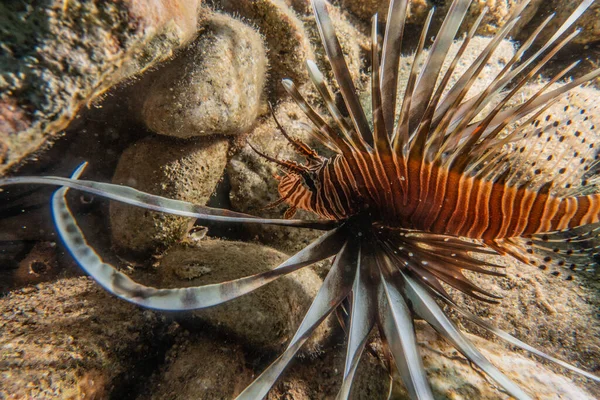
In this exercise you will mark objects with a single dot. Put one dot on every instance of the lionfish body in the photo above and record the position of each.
(398, 198)
(433, 199)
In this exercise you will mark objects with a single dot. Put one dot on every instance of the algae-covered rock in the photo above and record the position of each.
(71, 340)
(267, 317)
(213, 87)
(57, 56)
(183, 170)
(200, 368)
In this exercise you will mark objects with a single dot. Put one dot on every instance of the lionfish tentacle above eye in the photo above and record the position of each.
(297, 145)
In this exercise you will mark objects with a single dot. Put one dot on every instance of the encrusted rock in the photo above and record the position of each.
(550, 313)
(290, 30)
(322, 376)
(71, 340)
(503, 54)
(267, 317)
(199, 368)
(59, 55)
(38, 266)
(213, 87)
(355, 46)
(183, 170)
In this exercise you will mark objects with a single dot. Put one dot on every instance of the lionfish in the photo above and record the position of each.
(408, 201)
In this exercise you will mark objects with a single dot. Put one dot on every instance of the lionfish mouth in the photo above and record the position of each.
(384, 276)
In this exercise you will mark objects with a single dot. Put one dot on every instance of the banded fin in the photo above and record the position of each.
(362, 320)
(181, 299)
(425, 306)
(576, 249)
(334, 290)
(441, 258)
(396, 324)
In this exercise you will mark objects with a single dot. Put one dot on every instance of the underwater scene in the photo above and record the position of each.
(299, 199)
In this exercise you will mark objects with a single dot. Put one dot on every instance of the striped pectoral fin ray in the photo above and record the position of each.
(340, 70)
(426, 307)
(513, 340)
(181, 299)
(334, 290)
(362, 320)
(396, 321)
(152, 202)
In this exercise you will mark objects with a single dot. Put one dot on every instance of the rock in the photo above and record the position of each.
(70, 339)
(452, 377)
(290, 30)
(253, 186)
(59, 55)
(213, 87)
(286, 38)
(183, 170)
(200, 368)
(266, 318)
(356, 47)
(503, 54)
(496, 16)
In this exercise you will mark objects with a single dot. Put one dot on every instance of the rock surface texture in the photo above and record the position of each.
(266, 318)
(71, 340)
(214, 86)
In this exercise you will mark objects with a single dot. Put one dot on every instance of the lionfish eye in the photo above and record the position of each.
(309, 182)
